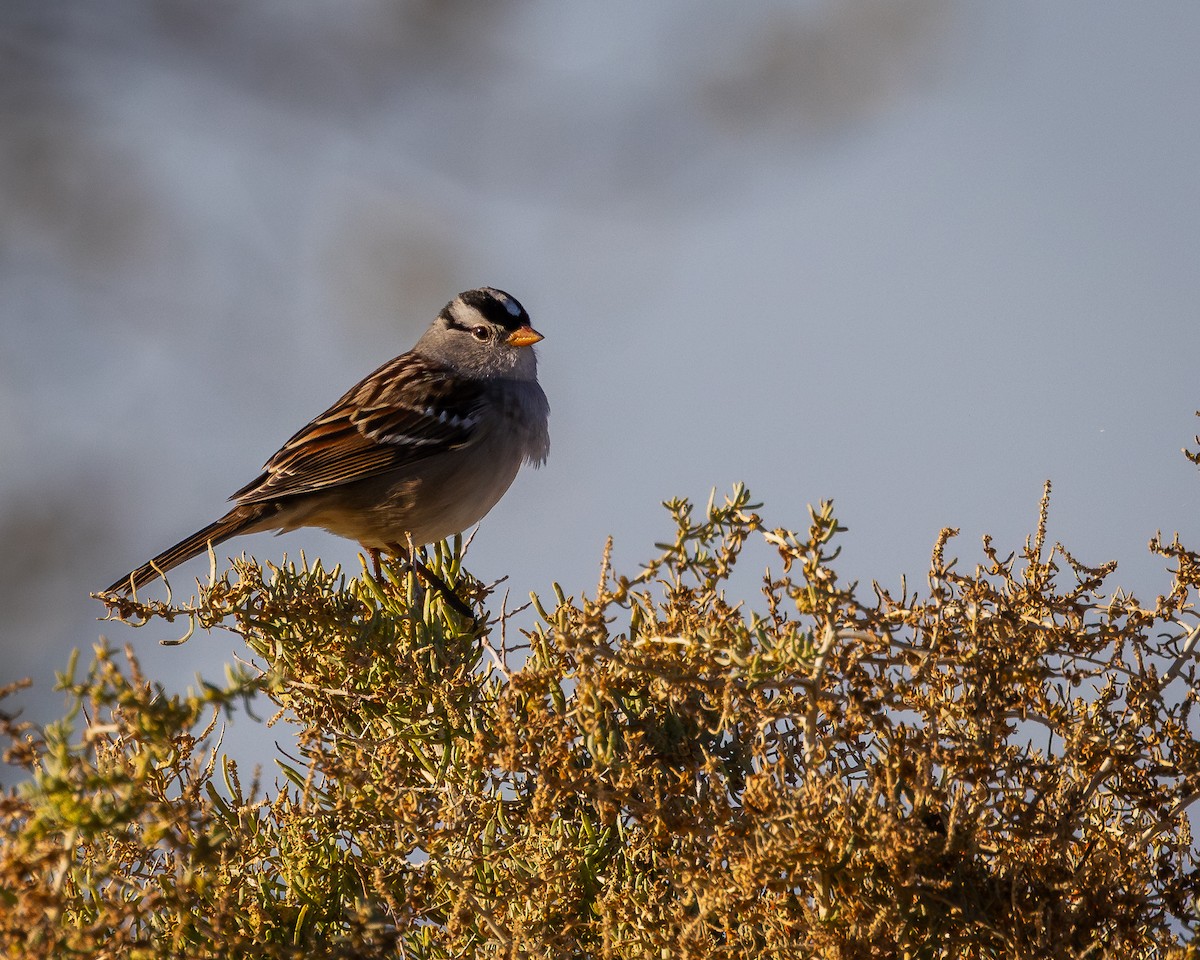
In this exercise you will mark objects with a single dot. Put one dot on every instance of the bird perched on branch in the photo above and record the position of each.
(418, 451)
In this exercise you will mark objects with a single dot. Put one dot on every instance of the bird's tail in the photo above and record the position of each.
(237, 520)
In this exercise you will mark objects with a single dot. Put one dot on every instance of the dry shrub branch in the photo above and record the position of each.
(1001, 764)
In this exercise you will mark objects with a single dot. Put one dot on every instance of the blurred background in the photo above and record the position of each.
(914, 255)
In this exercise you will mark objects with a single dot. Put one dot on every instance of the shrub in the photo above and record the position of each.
(1001, 765)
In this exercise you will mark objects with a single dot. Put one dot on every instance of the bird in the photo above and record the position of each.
(417, 451)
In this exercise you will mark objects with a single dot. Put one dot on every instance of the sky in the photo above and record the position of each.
(917, 257)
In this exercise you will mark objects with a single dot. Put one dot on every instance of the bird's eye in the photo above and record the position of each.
(481, 333)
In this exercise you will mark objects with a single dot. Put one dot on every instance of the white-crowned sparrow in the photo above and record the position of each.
(419, 450)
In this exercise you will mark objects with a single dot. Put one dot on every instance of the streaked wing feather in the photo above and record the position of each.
(384, 423)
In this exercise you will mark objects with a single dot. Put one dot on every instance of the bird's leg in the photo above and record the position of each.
(456, 603)
(375, 567)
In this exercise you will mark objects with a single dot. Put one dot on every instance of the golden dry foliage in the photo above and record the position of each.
(999, 766)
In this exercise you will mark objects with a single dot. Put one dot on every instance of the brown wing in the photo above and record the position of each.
(406, 411)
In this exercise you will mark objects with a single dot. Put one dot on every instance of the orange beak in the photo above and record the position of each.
(525, 336)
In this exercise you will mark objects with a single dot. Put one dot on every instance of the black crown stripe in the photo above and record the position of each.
(495, 306)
